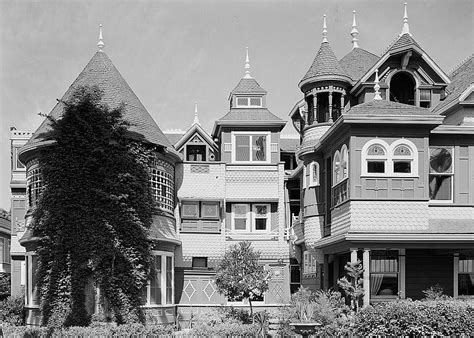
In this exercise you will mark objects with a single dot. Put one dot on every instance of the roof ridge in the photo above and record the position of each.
(459, 65)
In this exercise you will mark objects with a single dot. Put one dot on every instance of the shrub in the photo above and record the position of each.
(12, 310)
(443, 317)
(4, 286)
(226, 329)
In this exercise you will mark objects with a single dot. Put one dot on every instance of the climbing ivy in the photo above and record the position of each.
(94, 214)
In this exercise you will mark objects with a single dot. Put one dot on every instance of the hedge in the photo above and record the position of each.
(443, 317)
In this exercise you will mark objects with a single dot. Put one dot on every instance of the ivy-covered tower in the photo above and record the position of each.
(100, 72)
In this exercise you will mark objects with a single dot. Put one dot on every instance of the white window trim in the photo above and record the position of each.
(248, 105)
(314, 181)
(400, 275)
(29, 287)
(389, 158)
(252, 133)
(336, 162)
(451, 200)
(163, 255)
(310, 264)
(344, 159)
(251, 216)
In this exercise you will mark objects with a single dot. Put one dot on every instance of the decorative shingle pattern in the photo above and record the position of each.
(101, 72)
(248, 86)
(341, 219)
(325, 63)
(163, 228)
(402, 42)
(357, 62)
(245, 114)
(461, 78)
(199, 185)
(202, 245)
(244, 185)
(289, 144)
(312, 230)
(384, 107)
(389, 216)
(173, 137)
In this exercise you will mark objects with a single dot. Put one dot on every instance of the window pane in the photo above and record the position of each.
(383, 284)
(440, 187)
(261, 210)
(190, 210)
(34, 288)
(425, 95)
(375, 166)
(210, 209)
(441, 160)
(169, 280)
(199, 262)
(259, 145)
(240, 224)
(261, 224)
(242, 101)
(402, 150)
(402, 167)
(155, 282)
(376, 150)
(255, 101)
(242, 148)
(466, 284)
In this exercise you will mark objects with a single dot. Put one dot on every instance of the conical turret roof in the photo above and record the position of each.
(101, 72)
(325, 65)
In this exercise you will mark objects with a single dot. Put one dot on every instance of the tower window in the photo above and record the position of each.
(249, 102)
(402, 88)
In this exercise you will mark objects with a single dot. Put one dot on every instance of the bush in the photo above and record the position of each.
(4, 286)
(12, 310)
(226, 329)
(444, 317)
(126, 330)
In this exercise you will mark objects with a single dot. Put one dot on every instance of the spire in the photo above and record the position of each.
(354, 31)
(325, 29)
(247, 64)
(196, 118)
(406, 28)
(101, 43)
(377, 96)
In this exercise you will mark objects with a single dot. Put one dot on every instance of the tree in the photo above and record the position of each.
(239, 275)
(353, 287)
(93, 215)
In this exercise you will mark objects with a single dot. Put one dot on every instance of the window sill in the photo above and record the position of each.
(388, 176)
(441, 203)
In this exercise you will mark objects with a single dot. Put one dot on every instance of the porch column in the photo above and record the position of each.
(330, 106)
(456, 275)
(353, 255)
(326, 273)
(342, 101)
(336, 271)
(402, 275)
(366, 266)
(315, 107)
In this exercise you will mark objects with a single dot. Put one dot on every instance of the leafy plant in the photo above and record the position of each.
(239, 275)
(93, 214)
(12, 310)
(352, 283)
(434, 292)
(4, 285)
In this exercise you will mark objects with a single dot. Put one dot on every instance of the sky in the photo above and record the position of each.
(176, 53)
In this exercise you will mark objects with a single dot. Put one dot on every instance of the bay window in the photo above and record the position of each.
(251, 217)
(441, 173)
(251, 147)
(162, 184)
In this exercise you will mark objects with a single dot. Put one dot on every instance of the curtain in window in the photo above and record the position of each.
(375, 283)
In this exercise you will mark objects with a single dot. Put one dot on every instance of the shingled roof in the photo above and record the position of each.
(253, 114)
(357, 62)
(248, 86)
(402, 42)
(325, 64)
(461, 78)
(384, 107)
(101, 72)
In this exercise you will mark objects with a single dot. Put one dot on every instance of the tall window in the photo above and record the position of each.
(337, 177)
(384, 273)
(314, 174)
(5, 250)
(310, 264)
(32, 294)
(466, 276)
(425, 98)
(34, 184)
(251, 148)
(160, 288)
(251, 217)
(162, 184)
(441, 173)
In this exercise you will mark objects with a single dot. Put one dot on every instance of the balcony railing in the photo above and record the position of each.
(207, 226)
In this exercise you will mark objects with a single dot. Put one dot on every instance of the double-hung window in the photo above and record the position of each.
(253, 147)
(441, 173)
(384, 273)
(251, 217)
(466, 276)
(159, 290)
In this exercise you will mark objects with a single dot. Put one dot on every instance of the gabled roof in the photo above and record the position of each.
(357, 62)
(193, 130)
(324, 65)
(406, 40)
(384, 107)
(461, 80)
(248, 86)
(101, 72)
(174, 135)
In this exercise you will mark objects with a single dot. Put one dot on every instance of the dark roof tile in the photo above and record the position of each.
(248, 86)
(357, 62)
(255, 114)
(384, 107)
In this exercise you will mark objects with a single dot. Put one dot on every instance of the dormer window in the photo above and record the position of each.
(253, 102)
(251, 147)
(425, 98)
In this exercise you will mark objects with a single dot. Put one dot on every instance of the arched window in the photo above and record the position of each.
(344, 162)
(404, 158)
(314, 174)
(336, 166)
(376, 159)
(402, 88)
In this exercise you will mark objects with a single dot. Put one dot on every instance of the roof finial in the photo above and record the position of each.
(377, 86)
(196, 118)
(101, 43)
(325, 29)
(406, 28)
(247, 64)
(354, 31)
